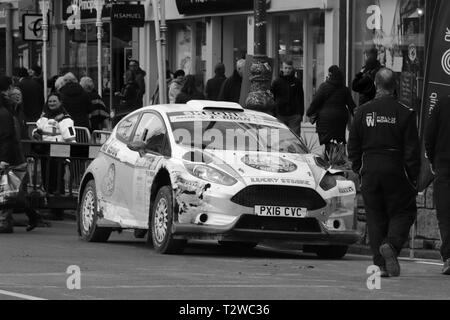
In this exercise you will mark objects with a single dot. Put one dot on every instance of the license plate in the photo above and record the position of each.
(286, 212)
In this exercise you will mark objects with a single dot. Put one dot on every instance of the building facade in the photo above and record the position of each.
(201, 34)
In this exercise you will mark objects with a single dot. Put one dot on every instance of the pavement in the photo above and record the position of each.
(44, 264)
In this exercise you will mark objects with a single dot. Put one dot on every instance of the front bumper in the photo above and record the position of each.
(251, 228)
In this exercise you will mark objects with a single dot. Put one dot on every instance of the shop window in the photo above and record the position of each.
(397, 29)
(189, 51)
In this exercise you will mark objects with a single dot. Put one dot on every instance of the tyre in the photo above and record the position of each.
(88, 216)
(238, 245)
(331, 252)
(161, 224)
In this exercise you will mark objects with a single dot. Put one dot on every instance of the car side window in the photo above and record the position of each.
(125, 128)
(153, 132)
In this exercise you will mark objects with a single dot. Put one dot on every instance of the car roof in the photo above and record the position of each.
(203, 105)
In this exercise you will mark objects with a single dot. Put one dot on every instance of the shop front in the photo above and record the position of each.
(78, 48)
(397, 28)
(203, 33)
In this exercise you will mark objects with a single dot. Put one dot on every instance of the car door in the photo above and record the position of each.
(125, 159)
(153, 132)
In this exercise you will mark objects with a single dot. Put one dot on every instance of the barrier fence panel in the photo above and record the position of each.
(55, 171)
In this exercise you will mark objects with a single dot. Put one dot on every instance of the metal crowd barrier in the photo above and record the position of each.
(55, 171)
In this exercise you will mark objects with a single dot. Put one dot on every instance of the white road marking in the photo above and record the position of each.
(19, 295)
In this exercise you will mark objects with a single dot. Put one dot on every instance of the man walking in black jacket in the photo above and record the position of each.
(289, 98)
(437, 145)
(384, 150)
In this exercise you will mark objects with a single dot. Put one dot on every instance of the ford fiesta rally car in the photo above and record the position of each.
(212, 170)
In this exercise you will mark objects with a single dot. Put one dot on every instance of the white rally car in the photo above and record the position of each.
(212, 170)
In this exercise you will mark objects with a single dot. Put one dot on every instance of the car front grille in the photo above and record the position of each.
(252, 222)
(281, 196)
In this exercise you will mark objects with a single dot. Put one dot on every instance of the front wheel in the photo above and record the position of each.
(161, 224)
(88, 216)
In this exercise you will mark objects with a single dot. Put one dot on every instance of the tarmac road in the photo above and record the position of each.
(34, 266)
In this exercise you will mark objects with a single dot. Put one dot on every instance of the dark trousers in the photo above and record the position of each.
(390, 202)
(442, 200)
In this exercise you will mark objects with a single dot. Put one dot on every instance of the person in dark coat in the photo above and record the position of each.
(129, 97)
(289, 98)
(214, 85)
(332, 106)
(99, 115)
(364, 82)
(33, 96)
(189, 91)
(139, 75)
(8, 150)
(76, 101)
(384, 150)
(437, 145)
(11, 154)
(231, 87)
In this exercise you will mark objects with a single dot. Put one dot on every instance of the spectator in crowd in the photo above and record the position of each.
(55, 125)
(99, 116)
(129, 97)
(36, 73)
(33, 96)
(11, 153)
(189, 91)
(139, 76)
(17, 98)
(332, 107)
(384, 150)
(175, 85)
(289, 97)
(8, 145)
(213, 85)
(51, 84)
(75, 100)
(231, 87)
(437, 145)
(364, 82)
(59, 83)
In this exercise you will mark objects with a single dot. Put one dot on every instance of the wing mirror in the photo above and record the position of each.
(137, 146)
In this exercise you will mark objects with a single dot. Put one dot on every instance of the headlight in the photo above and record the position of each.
(210, 174)
(329, 181)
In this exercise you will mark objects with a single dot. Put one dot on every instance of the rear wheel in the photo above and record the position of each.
(238, 245)
(331, 252)
(88, 216)
(161, 224)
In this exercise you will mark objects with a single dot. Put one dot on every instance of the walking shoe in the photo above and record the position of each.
(446, 269)
(389, 255)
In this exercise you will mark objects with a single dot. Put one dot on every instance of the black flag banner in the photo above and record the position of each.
(437, 78)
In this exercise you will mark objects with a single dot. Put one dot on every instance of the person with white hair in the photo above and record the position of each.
(231, 88)
(99, 116)
(75, 100)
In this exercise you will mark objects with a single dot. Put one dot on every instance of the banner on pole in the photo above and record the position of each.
(437, 78)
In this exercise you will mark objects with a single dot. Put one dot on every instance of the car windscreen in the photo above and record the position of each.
(233, 131)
